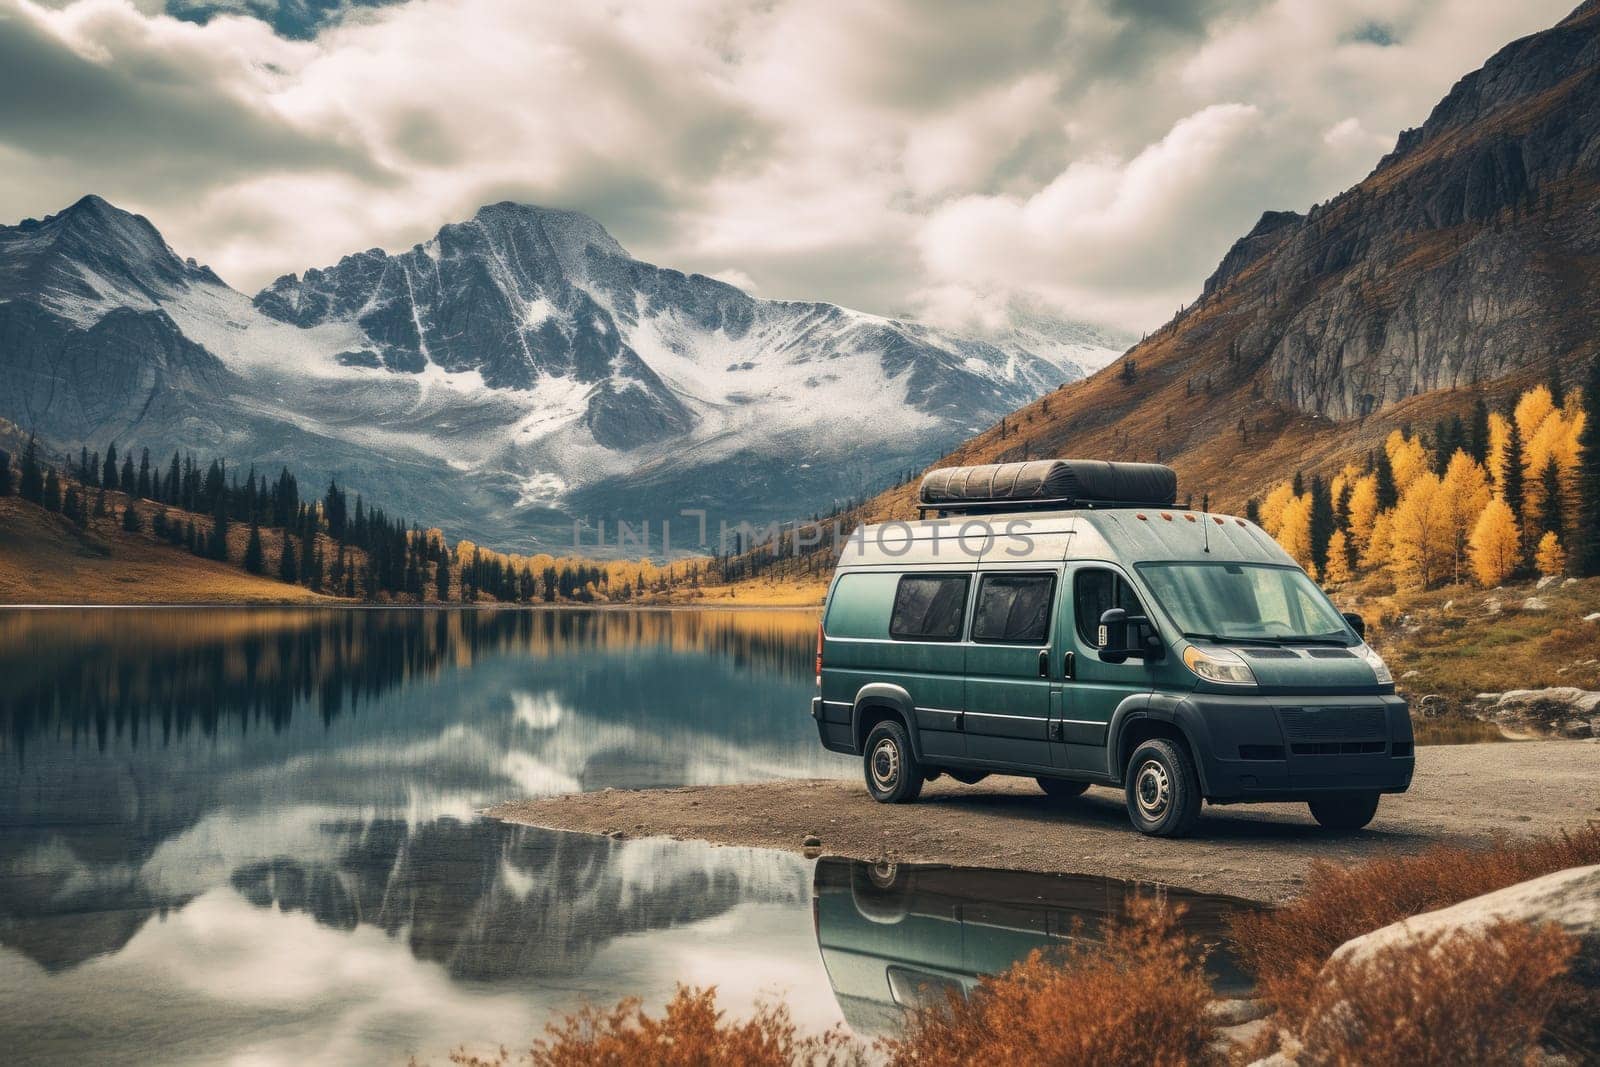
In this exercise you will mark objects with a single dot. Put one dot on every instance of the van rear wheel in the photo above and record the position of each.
(1062, 788)
(1163, 789)
(893, 774)
(1349, 811)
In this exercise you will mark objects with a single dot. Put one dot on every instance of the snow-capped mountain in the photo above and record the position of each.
(515, 371)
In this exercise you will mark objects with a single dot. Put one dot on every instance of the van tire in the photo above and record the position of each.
(1062, 788)
(1163, 790)
(1347, 811)
(890, 767)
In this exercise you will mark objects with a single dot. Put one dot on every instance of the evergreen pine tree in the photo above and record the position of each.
(1477, 443)
(72, 506)
(6, 480)
(441, 577)
(141, 485)
(288, 566)
(314, 577)
(1586, 558)
(1511, 488)
(174, 485)
(217, 544)
(130, 519)
(1322, 521)
(1552, 513)
(92, 472)
(308, 549)
(255, 559)
(1558, 388)
(128, 481)
(159, 525)
(1298, 485)
(52, 491)
(108, 473)
(1383, 473)
(83, 464)
(100, 509)
(31, 485)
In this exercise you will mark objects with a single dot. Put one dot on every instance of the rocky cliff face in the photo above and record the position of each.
(1467, 254)
(515, 371)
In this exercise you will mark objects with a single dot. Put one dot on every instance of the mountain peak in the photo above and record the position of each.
(92, 256)
(570, 233)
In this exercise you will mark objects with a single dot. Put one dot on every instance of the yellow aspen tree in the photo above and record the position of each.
(1294, 529)
(1272, 508)
(1550, 558)
(1499, 438)
(1533, 407)
(1496, 544)
(1337, 572)
(1363, 509)
(1408, 458)
(1464, 495)
(1420, 555)
(1380, 542)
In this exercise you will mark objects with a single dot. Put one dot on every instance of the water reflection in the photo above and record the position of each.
(252, 833)
(895, 937)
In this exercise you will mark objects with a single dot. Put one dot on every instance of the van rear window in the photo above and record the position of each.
(929, 607)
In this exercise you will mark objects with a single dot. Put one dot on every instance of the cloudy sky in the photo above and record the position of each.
(1091, 158)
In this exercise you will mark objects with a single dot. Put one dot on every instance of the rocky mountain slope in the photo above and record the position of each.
(517, 371)
(1467, 261)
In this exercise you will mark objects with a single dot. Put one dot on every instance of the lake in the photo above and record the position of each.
(250, 835)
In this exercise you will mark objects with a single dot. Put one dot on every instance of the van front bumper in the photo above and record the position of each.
(1257, 748)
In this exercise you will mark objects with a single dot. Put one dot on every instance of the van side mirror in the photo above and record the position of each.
(1114, 639)
(1357, 623)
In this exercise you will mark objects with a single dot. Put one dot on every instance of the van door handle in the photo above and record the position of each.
(1068, 664)
(1044, 663)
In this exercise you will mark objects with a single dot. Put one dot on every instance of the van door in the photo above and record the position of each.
(1007, 708)
(1091, 695)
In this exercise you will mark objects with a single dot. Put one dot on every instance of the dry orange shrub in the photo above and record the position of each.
(1286, 948)
(1140, 997)
(1471, 998)
(691, 1032)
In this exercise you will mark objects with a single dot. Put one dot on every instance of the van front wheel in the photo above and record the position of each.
(1163, 789)
(893, 774)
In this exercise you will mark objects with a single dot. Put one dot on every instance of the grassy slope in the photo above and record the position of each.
(45, 559)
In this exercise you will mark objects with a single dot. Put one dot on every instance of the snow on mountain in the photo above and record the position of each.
(517, 369)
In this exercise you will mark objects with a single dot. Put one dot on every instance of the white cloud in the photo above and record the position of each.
(1094, 156)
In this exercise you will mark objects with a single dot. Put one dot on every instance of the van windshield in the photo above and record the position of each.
(1245, 602)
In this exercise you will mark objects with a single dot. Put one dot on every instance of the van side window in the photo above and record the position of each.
(1014, 608)
(929, 607)
(1096, 591)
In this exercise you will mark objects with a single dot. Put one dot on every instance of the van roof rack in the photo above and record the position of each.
(1047, 485)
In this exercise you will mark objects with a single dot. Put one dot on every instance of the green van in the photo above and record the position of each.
(1063, 620)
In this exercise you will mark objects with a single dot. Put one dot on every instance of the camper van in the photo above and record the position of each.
(1064, 620)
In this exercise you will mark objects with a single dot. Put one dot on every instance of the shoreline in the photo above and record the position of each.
(1462, 795)
(362, 605)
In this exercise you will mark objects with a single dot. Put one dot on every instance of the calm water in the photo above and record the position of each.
(249, 836)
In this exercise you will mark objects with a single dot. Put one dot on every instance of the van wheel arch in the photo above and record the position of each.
(1142, 727)
(869, 715)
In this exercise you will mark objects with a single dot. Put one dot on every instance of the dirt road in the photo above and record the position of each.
(1463, 794)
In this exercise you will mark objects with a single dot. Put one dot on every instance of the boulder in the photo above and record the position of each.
(1546, 582)
(1570, 899)
(1536, 603)
(1593, 616)
(1563, 710)
(1433, 705)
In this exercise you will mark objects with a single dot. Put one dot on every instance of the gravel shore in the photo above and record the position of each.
(1462, 794)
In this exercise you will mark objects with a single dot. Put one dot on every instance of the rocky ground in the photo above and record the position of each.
(1462, 794)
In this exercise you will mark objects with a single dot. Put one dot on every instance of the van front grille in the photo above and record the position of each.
(1334, 724)
(1270, 653)
(1330, 653)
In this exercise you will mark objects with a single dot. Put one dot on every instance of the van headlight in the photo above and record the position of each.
(1219, 665)
(1375, 661)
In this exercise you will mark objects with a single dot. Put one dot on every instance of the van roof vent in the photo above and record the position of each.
(1048, 484)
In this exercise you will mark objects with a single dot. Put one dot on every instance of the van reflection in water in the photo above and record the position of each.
(896, 937)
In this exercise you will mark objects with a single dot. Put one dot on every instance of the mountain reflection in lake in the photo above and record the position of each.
(250, 834)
